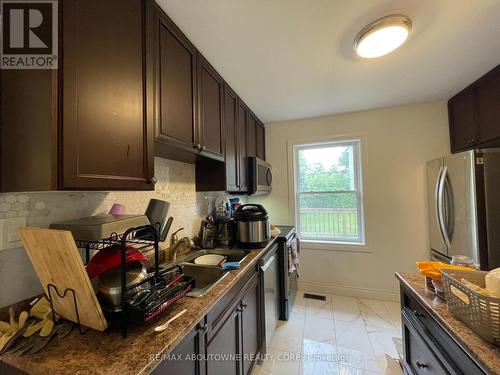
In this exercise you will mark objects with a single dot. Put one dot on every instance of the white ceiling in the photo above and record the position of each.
(292, 59)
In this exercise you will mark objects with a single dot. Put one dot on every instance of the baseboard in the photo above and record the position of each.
(349, 291)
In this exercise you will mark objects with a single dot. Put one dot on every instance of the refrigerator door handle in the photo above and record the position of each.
(437, 205)
(441, 207)
(449, 211)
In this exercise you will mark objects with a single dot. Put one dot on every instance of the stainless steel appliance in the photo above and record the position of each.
(260, 176)
(252, 226)
(463, 193)
(225, 232)
(287, 278)
(269, 268)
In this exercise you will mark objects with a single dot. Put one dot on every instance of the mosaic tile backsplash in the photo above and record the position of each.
(176, 184)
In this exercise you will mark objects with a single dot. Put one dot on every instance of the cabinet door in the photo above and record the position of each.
(106, 130)
(251, 135)
(186, 355)
(488, 103)
(464, 130)
(251, 321)
(231, 157)
(260, 140)
(242, 149)
(225, 342)
(210, 99)
(175, 84)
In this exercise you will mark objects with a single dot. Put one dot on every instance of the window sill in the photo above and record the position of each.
(347, 247)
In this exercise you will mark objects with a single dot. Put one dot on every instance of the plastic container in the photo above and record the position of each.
(462, 260)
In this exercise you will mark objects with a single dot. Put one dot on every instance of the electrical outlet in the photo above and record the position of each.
(8, 232)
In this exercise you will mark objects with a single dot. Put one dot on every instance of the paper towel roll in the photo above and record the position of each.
(493, 283)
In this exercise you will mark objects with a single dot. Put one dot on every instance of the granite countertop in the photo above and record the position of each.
(484, 353)
(108, 353)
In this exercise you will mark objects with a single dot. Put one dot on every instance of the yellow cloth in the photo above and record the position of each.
(432, 269)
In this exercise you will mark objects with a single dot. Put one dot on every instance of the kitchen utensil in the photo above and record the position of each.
(157, 214)
(150, 309)
(210, 259)
(163, 327)
(164, 233)
(253, 226)
(109, 258)
(208, 233)
(156, 292)
(109, 285)
(117, 209)
(225, 232)
(95, 228)
(57, 261)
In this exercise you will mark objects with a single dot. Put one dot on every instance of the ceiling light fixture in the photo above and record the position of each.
(382, 36)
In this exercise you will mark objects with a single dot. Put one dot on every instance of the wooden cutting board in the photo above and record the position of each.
(57, 261)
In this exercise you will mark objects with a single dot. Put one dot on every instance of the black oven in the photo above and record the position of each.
(260, 176)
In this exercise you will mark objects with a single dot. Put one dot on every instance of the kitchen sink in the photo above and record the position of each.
(206, 277)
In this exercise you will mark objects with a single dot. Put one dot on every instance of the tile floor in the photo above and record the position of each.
(339, 336)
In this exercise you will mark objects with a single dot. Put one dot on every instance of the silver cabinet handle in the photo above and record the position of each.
(203, 148)
(153, 180)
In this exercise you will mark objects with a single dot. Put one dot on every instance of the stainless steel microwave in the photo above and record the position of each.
(260, 176)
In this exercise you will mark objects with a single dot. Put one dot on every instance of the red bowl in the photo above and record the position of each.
(109, 258)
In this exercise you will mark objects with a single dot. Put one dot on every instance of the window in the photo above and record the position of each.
(328, 192)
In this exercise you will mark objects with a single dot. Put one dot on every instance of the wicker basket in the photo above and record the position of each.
(479, 312)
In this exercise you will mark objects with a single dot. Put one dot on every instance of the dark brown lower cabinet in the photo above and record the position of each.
(428, 348)
(224, 349)
(185, 358)
(228, 340)
(251, 322)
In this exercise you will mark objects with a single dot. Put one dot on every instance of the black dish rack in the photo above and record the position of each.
(157, 279)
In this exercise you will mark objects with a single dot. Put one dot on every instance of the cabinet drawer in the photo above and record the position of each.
(419, 358)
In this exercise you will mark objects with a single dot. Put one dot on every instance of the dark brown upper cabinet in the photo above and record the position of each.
(474, 114)
(89, 125)
(105, 132)
(210, 103)
(232, 140)
(260, 140)
(462, 114)
(488, 106)
(188, 94)
(172, 61)
(176, 89)
(251, 134)
(242, 125)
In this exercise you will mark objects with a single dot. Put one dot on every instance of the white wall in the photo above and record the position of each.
(396, 143)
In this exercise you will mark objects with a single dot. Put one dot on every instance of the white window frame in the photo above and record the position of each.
(358, 184)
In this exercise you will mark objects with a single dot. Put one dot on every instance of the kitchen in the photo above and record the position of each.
(281, 148)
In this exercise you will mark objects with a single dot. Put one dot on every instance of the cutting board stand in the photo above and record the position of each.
(51, 288)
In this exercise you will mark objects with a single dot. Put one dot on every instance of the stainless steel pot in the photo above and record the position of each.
(252, 225)
(109, 285)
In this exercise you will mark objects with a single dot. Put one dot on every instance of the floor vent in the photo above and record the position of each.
(315, 296)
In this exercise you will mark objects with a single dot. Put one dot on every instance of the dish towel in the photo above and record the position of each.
(294, 255)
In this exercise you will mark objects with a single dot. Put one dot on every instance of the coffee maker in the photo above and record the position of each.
(225, 225)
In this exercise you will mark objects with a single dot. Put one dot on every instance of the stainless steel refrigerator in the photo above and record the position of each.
(463, 195)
